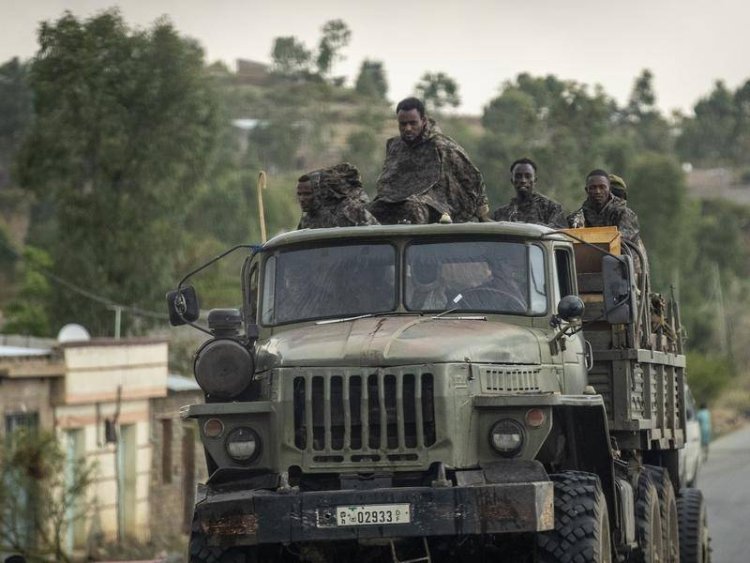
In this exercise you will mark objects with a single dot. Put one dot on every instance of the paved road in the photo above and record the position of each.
(725, 481)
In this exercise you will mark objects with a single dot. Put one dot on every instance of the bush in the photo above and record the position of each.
(707, 375)
(42, 495)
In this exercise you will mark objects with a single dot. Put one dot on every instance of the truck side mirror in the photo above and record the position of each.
(618, 289)
(570, 307)
(183, 306)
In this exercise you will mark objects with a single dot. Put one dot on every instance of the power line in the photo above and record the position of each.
(107, 302)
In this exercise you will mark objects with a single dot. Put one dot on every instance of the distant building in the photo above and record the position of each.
(252, 72)
(73, 388)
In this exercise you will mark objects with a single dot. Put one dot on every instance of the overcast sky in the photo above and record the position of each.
(688, 44)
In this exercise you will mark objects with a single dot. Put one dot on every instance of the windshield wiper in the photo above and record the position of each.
(344, 319)
(456, 300)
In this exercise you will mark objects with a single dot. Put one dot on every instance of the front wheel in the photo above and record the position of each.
(694, 538)
(581, 533)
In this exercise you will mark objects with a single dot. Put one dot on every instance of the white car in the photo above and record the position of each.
(691, 457)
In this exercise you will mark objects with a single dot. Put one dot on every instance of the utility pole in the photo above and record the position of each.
(118, 318)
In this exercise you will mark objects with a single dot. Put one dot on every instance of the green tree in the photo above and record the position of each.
(371, 80)
(336, 36)
(42, 495)
(15, 112)
(657, 193)
(27, 312)
(438, 90)
(708, 138)
(651, 130)
(560, 124)
(125, 129)
(290, 57)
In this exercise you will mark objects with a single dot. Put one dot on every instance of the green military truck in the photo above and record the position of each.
(465, 392)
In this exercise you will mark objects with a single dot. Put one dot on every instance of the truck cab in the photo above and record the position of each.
(436, 391)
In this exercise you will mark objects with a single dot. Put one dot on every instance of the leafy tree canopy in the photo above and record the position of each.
(125, 128)
(335, 36)
(371, 80)
(438, 90)
(290, 56)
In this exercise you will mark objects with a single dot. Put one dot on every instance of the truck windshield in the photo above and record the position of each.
(329, 282)
(489, 276)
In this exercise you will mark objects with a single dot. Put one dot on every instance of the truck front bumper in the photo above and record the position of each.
(260, 516)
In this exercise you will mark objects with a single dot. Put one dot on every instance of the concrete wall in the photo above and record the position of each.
(103, 495)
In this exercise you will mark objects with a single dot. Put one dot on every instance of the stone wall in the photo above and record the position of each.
(172, 482)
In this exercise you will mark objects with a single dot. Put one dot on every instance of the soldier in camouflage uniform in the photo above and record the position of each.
(529, 206)
(619, 187)
(427, 177)
(602, 209)
(338, 199)
(313, 216)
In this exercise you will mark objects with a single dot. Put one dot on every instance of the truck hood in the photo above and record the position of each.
(400, 340)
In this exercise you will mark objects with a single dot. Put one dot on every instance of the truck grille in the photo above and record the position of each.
(510, 380)
(366, 417)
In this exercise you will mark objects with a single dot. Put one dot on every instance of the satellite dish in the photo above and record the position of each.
(73, 333)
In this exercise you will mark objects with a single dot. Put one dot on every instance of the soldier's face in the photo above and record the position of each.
(410, 124)
(597, 188)
(305, 195)
(523, 178)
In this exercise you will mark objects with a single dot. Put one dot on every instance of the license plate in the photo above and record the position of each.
(373, 514)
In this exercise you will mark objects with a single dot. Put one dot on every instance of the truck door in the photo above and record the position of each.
(573, 359)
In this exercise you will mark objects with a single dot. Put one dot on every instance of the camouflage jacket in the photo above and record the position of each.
(534, 209)
(435, 171)
(614, 213)
(339, 199)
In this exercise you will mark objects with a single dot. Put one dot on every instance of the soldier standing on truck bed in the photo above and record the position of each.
(427, 177)
(529, 206)
(333, 197)
(603, 209)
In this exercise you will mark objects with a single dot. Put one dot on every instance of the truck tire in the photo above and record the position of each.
(670, 528)
(581, 533)
(694, 539)
(648, 529)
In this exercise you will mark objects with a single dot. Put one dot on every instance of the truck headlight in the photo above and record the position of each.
(243, 445)
(507, 437)
(223, 368)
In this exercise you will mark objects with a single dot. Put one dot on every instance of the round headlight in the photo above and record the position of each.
(243, 445)
(507, 437)
(223, 368)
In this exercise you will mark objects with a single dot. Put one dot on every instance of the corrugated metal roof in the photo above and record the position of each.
(20, 352)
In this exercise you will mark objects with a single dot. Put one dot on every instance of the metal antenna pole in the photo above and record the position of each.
(261, 209)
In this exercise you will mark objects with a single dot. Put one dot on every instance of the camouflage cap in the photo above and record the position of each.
(618, 186)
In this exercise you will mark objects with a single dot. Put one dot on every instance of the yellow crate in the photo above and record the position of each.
(589, 260)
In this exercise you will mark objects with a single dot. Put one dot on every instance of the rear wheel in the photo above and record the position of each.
(648, 529)
(670, 535)
(581, 533)
(694, 538)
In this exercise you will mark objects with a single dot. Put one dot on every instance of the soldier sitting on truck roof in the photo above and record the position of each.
(529, 206)
(337, 200)
(312, 217)
(427, 177)
(602, 209)
(619, 187)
